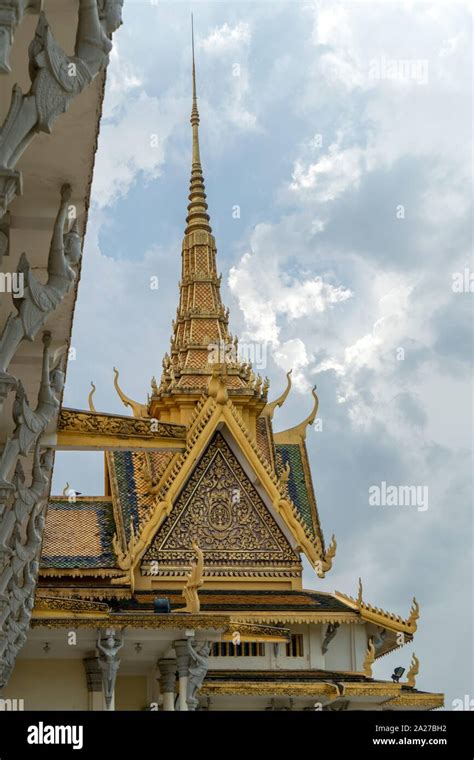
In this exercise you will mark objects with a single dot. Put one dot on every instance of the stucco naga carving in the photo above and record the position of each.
(40, 300)
(11, 15)
(109, 645)
(56, 79)
(30, 424)
(197, 670)
(20, 544)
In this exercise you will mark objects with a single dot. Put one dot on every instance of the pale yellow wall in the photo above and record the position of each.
(360, 645)
(48, 685)
(131, 693)
(340, 653)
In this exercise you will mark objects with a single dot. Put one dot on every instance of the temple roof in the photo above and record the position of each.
(245, 600)
(79, 535)
(202, 395)
(85, 542)
(300, 484)
(276, 676)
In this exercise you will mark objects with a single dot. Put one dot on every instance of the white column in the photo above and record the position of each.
(167, 682)
(182, 658)
(94, 684)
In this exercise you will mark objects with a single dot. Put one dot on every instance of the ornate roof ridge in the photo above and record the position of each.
(199, 423)
(324, 563)
(378, 615)
(276, 481)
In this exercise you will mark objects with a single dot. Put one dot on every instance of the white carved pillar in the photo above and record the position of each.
(94, 683)
(183, 659)
(167, 683)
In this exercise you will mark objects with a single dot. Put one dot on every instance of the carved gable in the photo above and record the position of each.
(221, 510)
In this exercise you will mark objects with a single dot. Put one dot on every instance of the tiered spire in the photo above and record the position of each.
(198, 218)
(200, 336)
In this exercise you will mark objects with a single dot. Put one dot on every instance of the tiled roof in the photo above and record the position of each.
(300, 486)
(237, 601)
(78, 535)
(131, 494)
(272, 676)
(265, 440)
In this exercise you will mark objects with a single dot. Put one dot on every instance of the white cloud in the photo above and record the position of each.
(264, 296)
(225, 38)
(135, 144)
(123, 77)
(233, 44)
(293, 354)
(330, 176)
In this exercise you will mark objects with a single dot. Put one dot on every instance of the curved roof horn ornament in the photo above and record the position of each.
(139, 411)
(297, 434)
(269, 409)
(91, 396)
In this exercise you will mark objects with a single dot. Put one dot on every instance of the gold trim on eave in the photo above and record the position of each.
(381, 617)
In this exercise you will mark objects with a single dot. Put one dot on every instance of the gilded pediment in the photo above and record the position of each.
(221, 510)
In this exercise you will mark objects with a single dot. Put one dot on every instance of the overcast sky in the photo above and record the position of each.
(341, 130)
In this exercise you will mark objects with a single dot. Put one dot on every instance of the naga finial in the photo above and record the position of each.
(194, 583)
(369, 659)
(414, 614)
(139, 411)
(413, 672)
(297, 434)
(270, 408)
(359, 595)
(325, 564)
(90, 397)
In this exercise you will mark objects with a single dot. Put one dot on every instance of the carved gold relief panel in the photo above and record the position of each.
(221, 510)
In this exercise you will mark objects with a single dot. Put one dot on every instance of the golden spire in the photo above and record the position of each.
(200, 333)
(198, 218)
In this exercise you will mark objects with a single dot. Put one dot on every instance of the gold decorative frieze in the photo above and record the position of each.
(226, 624)
(94, 423)
(44, 602)
(371, 689)
(96, 431)
(296, 618)
(416, 701)
(269, 688)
